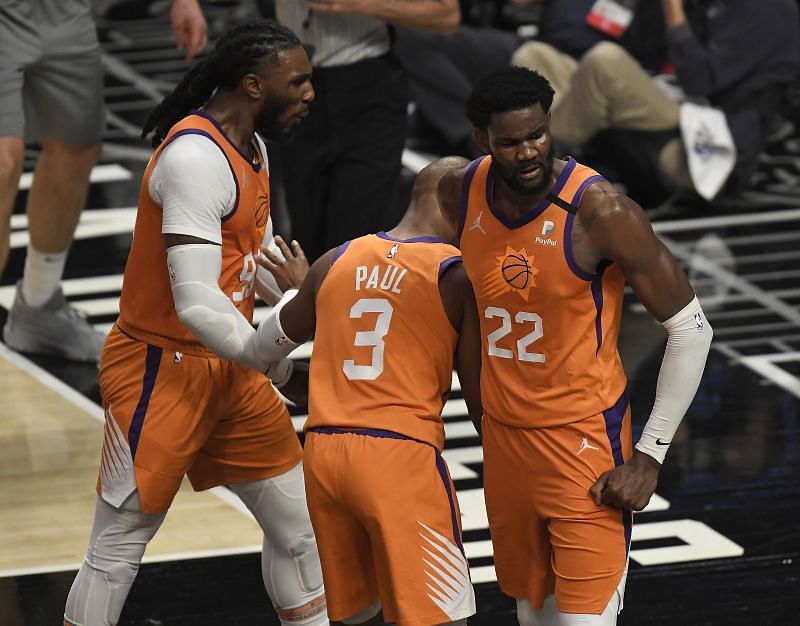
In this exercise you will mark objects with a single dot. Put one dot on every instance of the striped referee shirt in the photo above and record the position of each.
(335, 39)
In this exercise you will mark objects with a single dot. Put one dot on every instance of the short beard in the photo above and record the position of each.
(268, 123)
(519, 188)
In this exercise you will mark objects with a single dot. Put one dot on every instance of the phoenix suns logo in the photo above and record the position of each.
(262, 209)
(514, 271)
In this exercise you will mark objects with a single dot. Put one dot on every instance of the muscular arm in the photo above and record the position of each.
(189, 27)
(194, 266)
(617, 230)
(292, 322)
(439, 16)
(449, 194)
(459, 303)
(298, 318)
(296, 388)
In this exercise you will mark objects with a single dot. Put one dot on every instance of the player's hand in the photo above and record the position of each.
(189, 27)
(290, 271)
(628, 486)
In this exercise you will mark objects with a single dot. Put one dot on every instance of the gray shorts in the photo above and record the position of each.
(51, 75)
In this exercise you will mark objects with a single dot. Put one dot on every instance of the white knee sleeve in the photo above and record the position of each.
(607, 618)
(366, 614)
(289, 561)
(119, 538)
(546, 616)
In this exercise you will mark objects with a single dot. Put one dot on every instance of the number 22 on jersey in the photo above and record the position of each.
(523, 317)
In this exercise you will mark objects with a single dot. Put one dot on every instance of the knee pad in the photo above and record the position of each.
(98, 594)
(304, 552)
(119, 538)
(290, 561)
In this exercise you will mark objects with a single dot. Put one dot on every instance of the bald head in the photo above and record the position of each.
(427, 180)
(423, 217)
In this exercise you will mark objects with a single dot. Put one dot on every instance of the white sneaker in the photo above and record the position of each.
(55, 328)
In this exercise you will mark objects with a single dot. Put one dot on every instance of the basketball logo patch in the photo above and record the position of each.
(514, 272)
(262, 210)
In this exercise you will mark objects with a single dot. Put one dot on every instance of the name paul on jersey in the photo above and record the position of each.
(385, 277)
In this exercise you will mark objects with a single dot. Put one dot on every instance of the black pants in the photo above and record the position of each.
(442, 71)
(341, 165)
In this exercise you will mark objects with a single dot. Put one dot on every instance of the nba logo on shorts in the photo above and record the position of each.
(547, 228)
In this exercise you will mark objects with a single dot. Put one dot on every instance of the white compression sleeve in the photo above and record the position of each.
(289, 559)
(204, 309)
(684, 360)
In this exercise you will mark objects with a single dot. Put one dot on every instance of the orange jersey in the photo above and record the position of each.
(549, 329)
(383, 350)
(147, 310)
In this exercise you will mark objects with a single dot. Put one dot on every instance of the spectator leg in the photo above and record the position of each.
(609, 89)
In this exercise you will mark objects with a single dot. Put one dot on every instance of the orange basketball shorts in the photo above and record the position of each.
(170, 414)
(547, 532)
(387, 523)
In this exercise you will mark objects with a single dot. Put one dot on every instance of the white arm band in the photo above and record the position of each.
(270, 340)
(205, 310)
(684, 360)
(280, 372)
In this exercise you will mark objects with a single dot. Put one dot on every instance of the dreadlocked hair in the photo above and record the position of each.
(507, 89)
(241, 50)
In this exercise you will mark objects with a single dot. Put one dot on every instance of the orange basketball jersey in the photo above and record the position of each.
(383, 350)
(147, 310)
(549, 329)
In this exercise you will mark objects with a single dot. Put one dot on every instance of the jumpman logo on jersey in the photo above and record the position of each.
(476, 225)
(585, 445)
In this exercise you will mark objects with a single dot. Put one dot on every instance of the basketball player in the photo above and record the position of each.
(390, 311)
(181, 378)
(548, 245)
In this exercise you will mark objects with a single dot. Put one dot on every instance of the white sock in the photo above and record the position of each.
(42, 274)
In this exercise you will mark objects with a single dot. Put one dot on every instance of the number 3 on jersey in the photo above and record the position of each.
(373, 338)
(522, 343)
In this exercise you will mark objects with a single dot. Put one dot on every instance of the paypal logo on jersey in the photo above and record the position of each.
(547, 228)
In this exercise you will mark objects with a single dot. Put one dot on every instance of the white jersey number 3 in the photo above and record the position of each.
(372, 338)
(522, 343)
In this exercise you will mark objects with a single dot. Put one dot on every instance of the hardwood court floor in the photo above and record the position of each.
(718, 544)
(49, 445)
